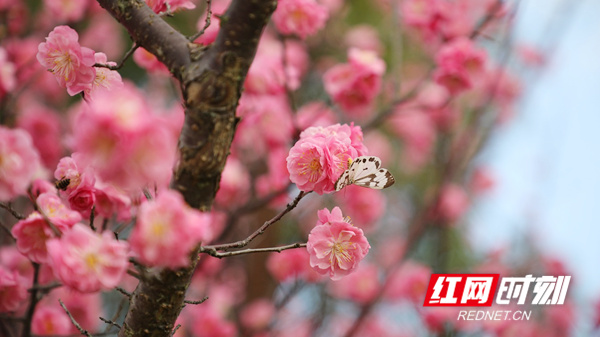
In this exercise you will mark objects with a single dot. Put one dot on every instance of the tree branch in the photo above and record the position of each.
(211, 80)
(151, 32)
(279, 249)
(261, 230)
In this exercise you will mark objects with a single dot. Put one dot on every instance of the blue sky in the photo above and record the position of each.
(547, 161)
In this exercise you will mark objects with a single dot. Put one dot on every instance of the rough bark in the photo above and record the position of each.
(211, 82)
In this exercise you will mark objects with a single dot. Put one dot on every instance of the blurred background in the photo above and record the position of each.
(545, 160)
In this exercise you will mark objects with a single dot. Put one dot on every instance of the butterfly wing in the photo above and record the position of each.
(366, 171)
(343, 180)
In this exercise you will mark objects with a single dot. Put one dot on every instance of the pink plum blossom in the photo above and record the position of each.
(112, 202)
(164, 6)
(290, 264)
(354, 85)
(43, 125)
(66, 10)
(257, 315)
(208, 322)
(418, 133)
(321, 155)
(13, 290)
(87, 261)
(167, 230)
(482, 180)
(314, 114)
(71, 64)
(277, 179)
(336, 247)
(300, 17)
(50, 205)
(19, 162)
(365, 206)
(8, 80)
(82, 199)
(148, 61)
(360, 287)
(459, 63)
(32, 234)
(234, 187)
(260, 113)
(105, 79)
(124, 141)
(85, 307)
(408, 282)
(453, 202)
(50, 320)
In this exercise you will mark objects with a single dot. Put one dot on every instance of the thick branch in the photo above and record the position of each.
(211, 81)
(151, 32)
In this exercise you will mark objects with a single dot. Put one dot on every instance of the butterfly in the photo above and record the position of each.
(365, 171)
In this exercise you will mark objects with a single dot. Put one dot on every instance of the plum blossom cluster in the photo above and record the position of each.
(167, 230)
(355, 85)
(322, 154)
(459, 64)
(124, 140)
(73, 65)
(300, 17)
(441, 20)
(335, 246)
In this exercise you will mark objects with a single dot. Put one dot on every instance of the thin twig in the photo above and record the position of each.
(82, 330)
(123, 291)
(32, 301)
(110, 322)
(12, 211)
(44, 288)
(175, 329)
(196, 302)
(278, 249)
(92, 217)
(117, 313)
(206, 22)
(261, 230)
(122, 62)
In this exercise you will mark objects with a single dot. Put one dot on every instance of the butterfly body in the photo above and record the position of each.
(365, 171)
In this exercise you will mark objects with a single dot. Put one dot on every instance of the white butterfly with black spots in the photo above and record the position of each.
(365, 171)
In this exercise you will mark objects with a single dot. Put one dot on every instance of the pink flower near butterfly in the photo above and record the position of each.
(167, 230)
(336, 248)
(300, 17)
(321, 155)
(87, 261)
(71, 64)
(19, 162)
(13, 290)
(365, 206)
